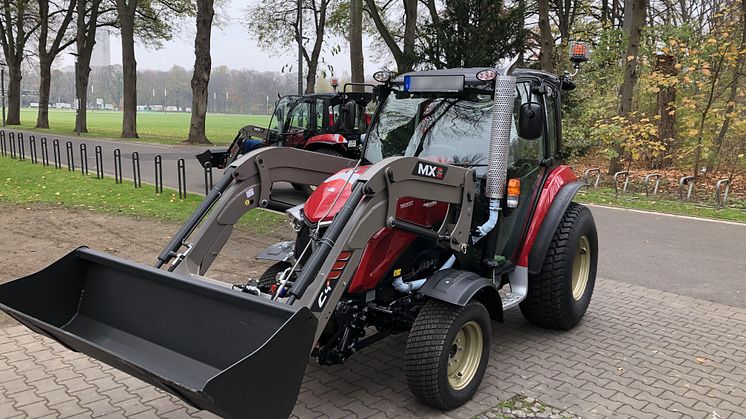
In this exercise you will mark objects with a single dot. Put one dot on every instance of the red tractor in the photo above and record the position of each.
(329, 123)
(459, 209)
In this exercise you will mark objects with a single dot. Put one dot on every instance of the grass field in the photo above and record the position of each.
(165, 128)
(606, 196)
(24, 183)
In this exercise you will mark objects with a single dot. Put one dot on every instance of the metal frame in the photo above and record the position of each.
(248, 187)
(595, 170)
(624, 173)
(720, 197)
(686, 180)
(646, 181)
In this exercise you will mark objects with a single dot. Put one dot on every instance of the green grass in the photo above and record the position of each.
(24, 183)
(606, 196)
(155, 127)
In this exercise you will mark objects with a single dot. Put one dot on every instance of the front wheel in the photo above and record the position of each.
(447, 352)
(560, 294)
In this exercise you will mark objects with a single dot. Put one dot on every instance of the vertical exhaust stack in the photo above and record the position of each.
(502, 121)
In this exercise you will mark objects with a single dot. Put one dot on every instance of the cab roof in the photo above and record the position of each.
(470, 74)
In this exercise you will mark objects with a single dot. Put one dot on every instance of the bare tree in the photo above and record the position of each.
(201, 75)
(48, 51)
(404, 56)
(87, 20)
(356, 41)
(17, 25)
(546, 56)
(126, 11)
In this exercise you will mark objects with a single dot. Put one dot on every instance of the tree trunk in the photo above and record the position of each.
(313, 60)
(14, 93)
(201, 76)
(356, 43)
(126, 12)
(45, 77)
(410, 33)
(634, 19)
(546, 56)
(665, 64)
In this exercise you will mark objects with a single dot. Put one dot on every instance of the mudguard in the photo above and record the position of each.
(327, 139)
(544, 238)
(459, 287)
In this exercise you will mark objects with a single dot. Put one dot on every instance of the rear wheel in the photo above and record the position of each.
(308, 189)
(559, 295)
(269, 277)
(448, 349)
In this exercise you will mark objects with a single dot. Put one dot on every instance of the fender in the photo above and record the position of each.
(326, 139)
(459, 287)
(554, 215)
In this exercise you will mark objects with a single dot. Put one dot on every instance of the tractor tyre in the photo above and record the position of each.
(559, 295)
(269, 277)
(447, 352)
(308, 189)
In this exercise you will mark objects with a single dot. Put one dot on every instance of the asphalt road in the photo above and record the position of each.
(693, 257)
(699, 258)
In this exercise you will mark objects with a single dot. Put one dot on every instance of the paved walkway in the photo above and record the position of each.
(638, 353)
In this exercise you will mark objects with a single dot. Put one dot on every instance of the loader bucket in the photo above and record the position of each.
(225, 351)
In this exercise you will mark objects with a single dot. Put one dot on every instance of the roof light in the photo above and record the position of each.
(382, 76)
(578, 52)
(486, 75)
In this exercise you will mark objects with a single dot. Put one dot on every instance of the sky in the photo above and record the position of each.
(231, 46)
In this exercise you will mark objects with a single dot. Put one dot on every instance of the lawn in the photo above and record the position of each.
(166, 128)
(24, 183)
(606, 196)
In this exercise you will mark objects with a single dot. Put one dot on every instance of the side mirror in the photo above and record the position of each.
(531, 121)
(350, 115)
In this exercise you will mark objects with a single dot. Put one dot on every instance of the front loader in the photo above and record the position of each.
(433, 232)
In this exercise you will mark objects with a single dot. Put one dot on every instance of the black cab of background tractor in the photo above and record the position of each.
(330, 123)
(459, 210)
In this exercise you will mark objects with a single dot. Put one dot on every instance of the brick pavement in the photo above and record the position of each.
(638, 353)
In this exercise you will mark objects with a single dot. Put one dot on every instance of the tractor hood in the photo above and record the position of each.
(320, 206)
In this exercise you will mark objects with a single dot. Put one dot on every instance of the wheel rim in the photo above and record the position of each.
(465, 354)
(581, 268)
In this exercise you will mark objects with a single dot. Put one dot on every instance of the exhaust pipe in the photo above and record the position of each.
(502, 122)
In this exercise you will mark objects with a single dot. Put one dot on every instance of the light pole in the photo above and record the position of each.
(2, 87)
(165, 94)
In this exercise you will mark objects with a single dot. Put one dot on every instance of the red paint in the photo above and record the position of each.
(319, 203)
(559, 177)
(334, 139)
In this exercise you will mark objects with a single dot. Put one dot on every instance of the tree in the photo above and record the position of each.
(405, 55)
(634, 20)
(546, 56)
(463, 34)
(17, 25)
(278, 27)
(87, 20)
(356, 41)
(201, 75)
(126, 11)
(60, 41)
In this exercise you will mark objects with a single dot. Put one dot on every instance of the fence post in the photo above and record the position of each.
(56, 153)
(44, 152)
(158, 174)
(2, 143)
(32, 149)
(686, 180)
(99, 162)
(657, 177)
(83, 159)
(208, 177)
(21, 147)
(117, 166)
(12, 141)
(722, 199)
(626, 181)
(136, 169)
(181, 171)
(70, 156)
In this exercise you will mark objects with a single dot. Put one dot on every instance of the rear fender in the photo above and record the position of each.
(459, 287)
(552, 219)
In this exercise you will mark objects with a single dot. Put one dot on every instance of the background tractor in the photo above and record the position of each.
(458, 209)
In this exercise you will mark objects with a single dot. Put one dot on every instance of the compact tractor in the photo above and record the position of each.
(329, 123)
(460, 208)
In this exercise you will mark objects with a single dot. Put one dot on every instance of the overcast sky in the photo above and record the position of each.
(231, 46)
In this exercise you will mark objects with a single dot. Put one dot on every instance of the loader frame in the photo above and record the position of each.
(371, 207)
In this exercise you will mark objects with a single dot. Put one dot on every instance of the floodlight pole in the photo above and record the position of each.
(300, 47)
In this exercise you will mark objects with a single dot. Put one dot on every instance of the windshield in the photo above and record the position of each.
(290, 113)
(452, 130)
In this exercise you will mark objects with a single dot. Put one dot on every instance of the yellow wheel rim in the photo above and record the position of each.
(464, 356)
(581, 268)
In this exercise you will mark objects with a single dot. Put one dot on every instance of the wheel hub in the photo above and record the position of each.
(581, 268)
(464, 356)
